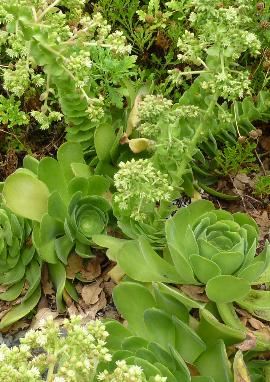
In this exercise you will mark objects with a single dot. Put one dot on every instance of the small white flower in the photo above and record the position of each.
(59, 379)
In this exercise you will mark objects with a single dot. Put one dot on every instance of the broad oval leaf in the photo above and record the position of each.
(227, 288)
(204, 268)
(141, 298)
(26, 196)
(104, 139)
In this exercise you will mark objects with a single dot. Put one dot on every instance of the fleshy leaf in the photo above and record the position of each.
(104, 139)
(141, 299)
(227, 288)
(26, 196)
(151, 266)
(58, 275)
(21, 310)
(228, 262)
(160, 327)
(188, 344)
(204, 268)
(211, 330)
(214, 363)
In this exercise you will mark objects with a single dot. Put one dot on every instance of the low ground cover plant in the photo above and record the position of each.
(134, 147)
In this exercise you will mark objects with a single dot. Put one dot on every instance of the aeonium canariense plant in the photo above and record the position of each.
(208, 247)
(20, 267)
(66, 203)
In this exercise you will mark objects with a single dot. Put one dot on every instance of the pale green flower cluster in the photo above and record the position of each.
(79, 64)
(150, 110)
(57, 27)
(95, 109)
(220, 31)
(17, 81)
(229, 86)
(219, 26)
(139, 184)
(14, 365)
(95, 31)
(191, 48)
(187, 111)
(69, 354)
(127, 373)
(45, 120)
(117, 43)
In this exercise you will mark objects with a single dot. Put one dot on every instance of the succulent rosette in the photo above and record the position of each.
(15, 253)
(205, 246)
(20, 270)
(67, 205)
(216, 248)
(87, 216)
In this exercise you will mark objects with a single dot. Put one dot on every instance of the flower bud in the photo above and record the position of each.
(242, 139)
(260, 6)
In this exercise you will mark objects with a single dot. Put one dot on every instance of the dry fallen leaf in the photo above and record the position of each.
(99, 305)
(240, 181)
(18, 326)
(195, 292)
(263, 221)
(47, 286)
(74, 266)
(41, 316)
(116, 274)
(91, 292)
(265, 142)
(92, 269)
(73, 310)
(108, 287)
(256, 324)
(88, 312)
(248, 343)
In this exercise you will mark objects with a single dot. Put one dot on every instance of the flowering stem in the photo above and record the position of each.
(56, 2)
(188, 154)
(50, 372)
(192, 72)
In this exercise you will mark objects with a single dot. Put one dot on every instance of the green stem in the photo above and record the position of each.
(192, 72)
(219, 195)
(54, 4)
(68, 72)
(50, 372)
